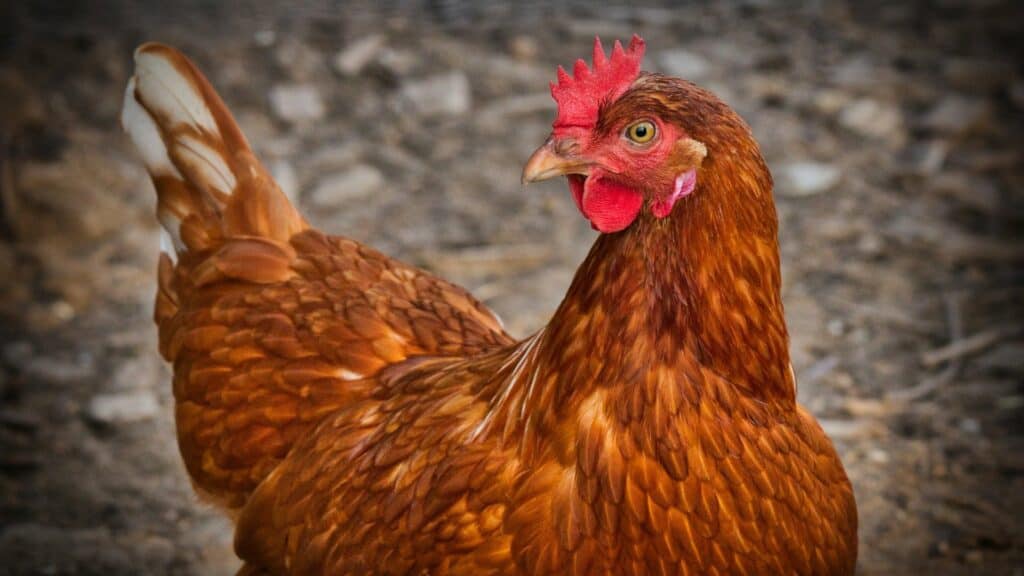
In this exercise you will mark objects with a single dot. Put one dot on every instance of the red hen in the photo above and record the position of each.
(359, 416)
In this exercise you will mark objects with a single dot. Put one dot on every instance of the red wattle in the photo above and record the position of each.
(610, 207)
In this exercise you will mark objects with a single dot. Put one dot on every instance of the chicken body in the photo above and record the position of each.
(359, 416)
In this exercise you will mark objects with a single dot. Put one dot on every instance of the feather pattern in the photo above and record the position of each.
(270, 325)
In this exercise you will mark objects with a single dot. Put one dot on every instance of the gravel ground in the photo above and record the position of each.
(892, 132)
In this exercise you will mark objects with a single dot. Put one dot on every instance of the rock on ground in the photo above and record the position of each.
(444, 94)
(297, 102)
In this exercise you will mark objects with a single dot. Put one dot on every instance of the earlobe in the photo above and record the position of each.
(687, 156)
(682, 186)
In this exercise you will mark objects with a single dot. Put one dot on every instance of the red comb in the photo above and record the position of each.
(580, 95)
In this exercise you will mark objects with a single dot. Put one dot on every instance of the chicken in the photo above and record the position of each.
(356, 415)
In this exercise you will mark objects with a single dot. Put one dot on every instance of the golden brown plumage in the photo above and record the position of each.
(360, 416)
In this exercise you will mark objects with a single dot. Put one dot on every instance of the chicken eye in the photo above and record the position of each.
(641, 132)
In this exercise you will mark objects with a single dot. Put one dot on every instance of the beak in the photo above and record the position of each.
(547, 162)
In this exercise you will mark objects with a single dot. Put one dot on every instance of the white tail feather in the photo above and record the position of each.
(170, 95)
(169, 245)
(210, 186)
(208, 163)
(146, 136)
(169, 121)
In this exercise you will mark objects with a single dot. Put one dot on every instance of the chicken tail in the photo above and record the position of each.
(210, 186)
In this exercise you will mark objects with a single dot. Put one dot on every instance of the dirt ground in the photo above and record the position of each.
(892, 132)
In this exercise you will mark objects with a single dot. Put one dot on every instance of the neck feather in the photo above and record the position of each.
(700, 286)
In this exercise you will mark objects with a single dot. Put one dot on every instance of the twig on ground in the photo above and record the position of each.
(954, 320)
(888, 315)
(966, 346)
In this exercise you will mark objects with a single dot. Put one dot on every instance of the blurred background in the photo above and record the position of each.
(892, 130)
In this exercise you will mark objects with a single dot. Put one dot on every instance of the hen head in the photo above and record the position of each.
(632, 143)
